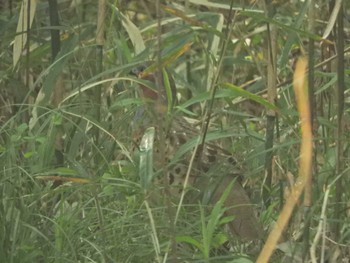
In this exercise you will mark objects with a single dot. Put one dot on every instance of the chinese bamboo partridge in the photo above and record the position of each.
(213, 168)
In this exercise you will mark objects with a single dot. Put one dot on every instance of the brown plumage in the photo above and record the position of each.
(213, 168)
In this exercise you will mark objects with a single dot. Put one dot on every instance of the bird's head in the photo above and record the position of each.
(156, 86)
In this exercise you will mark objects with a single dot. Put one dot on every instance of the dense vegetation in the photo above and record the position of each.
(72, 185)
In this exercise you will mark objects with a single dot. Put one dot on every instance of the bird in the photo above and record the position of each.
(214, 168)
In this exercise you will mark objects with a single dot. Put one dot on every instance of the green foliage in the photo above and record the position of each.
(111, 217)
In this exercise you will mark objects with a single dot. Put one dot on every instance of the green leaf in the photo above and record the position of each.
(123, 103)
(22, 27)
(56, 68)
(65, 171)
(219, 240)
(22, 128)
(133, 32)
(248, 95)
(226, 219)
(242, 260)
(168, 90)
(189, 240)
(146, 158)
(57, 119)
(27, 155)
(41, 139)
